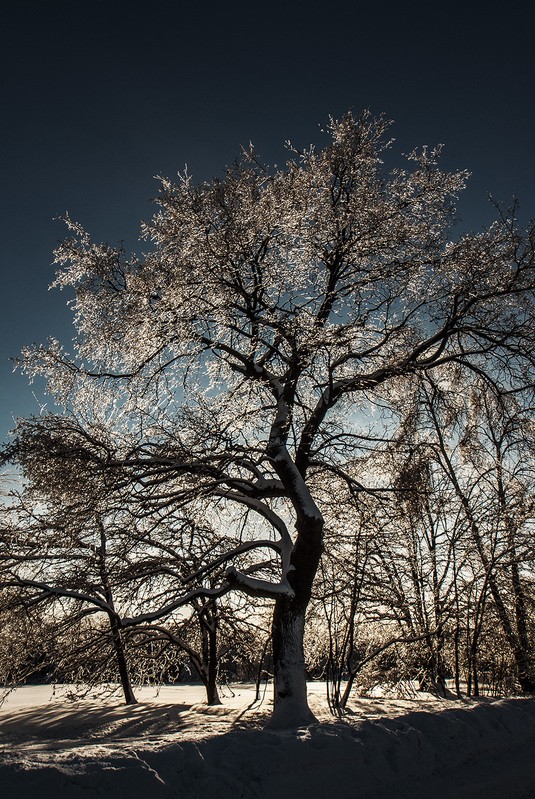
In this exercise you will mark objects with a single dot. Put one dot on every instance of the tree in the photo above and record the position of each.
(81, 543)
(68, 548)
(270, 335)
(413, 570)
(493, 481)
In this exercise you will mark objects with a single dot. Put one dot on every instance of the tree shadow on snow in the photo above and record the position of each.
(95, 723)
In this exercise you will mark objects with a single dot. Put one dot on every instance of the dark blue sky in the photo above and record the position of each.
(98, 97)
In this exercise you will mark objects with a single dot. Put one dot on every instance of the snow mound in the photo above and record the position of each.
(485, 750)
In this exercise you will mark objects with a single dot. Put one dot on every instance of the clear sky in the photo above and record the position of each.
(98, 97)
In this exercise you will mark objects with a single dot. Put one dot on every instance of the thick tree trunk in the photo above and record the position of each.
(457, 659)
(519, 646)
(519, 639)
(208, 679)
(290, 702)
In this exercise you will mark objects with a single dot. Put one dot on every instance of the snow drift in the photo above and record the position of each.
(484, 750)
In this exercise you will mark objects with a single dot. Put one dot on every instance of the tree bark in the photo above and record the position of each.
(212, 694)
(290, 702)
(207, 662)
(122, 666)
(115, 627)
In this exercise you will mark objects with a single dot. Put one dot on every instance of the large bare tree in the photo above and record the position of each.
(270, 335)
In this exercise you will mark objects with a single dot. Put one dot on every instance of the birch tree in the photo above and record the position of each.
(269, 335)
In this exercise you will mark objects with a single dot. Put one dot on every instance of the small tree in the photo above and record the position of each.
(278, 317)
(81, 542)
(68, 547)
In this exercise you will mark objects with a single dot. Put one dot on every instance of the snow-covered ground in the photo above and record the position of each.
(171, 746)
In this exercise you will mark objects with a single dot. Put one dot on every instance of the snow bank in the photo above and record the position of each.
(418, 754)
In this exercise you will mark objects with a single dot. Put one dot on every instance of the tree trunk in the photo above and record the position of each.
(475, 673)
(524, 670)
(520, 642)
(208, 663)
(122, 666)
(115, 628)
(457, 659)
(290, 703)
(212, 694)
(523, 651)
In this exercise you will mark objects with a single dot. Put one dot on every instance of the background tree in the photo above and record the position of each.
(82, 544)
(489, 462)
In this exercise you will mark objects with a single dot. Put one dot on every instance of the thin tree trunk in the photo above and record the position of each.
(212, 694)
(521, 648)
(261, 667)
(116, 636)
(128, 692)
(475, 675)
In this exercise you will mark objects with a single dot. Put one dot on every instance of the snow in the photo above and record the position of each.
(172, 746)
